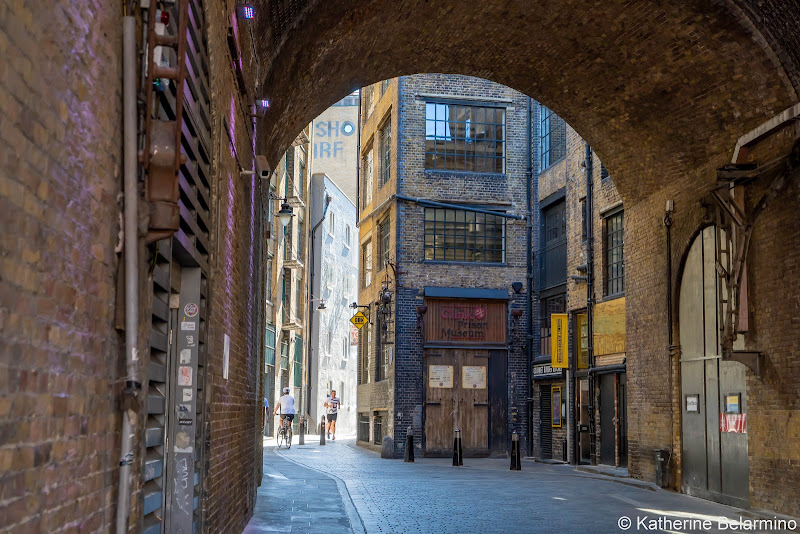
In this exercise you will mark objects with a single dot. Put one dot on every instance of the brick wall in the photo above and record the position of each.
(60, 361)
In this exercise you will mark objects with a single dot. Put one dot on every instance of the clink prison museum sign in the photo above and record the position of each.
(460, 322)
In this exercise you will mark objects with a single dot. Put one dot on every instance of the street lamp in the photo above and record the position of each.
(285, 214)
(321, 306)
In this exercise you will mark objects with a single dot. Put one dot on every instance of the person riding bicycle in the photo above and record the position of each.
(285, 406)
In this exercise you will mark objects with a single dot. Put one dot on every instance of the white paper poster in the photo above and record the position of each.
(473, 377)
(440, 376)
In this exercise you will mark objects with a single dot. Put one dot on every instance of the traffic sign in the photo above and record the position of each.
(359, 319)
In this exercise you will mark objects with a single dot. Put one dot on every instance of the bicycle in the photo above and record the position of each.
(285, 433)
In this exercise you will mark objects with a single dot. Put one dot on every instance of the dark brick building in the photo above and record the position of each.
(433, 145)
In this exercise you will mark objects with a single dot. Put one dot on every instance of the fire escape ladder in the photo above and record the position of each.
(162, 157)
(734, 232)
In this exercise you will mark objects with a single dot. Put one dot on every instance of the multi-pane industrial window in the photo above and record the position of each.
(269, 345)
(369, 101)
(364, 353)
(458, 235)
(366, 255)
(464, 138)
(553, 138)
(615, 254)
(386, 152)
(384, 349)
(383, 243)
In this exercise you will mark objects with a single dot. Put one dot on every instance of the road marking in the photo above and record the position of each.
(276, 476)
(627, 500)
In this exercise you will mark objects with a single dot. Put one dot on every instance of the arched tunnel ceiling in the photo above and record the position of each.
(659, 88)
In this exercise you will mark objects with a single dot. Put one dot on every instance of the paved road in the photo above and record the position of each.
(430, 495)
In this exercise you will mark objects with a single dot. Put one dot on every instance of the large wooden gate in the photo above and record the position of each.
(457, 397)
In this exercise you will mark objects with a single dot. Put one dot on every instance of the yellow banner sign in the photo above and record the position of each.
(359, 320)
(559, 335)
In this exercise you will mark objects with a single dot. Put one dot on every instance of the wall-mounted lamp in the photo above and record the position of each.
(321, 306)
(421, 311)
(516, 286)
(516, 313)
(285, 214)
(356, 306)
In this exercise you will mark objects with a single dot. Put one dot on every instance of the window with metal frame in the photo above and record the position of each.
(366, 266)
(297, 367)
(386, 151)
(369, 101)
(385, 86)
(552, 138)
(284, 353)
(383, 351)
(384, 240)
(459, 235)
(615, 254)
(464, 137)
(269, 345)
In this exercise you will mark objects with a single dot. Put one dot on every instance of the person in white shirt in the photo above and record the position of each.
(285, 406)
(332, 405)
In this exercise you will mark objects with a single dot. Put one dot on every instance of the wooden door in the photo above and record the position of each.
(457, 396)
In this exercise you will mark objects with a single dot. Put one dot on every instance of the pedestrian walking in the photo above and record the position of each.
(331, 411)
(266, 416)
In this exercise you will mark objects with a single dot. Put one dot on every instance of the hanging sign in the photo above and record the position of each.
(359, 319)
(559, 340)
(440, 376)
(473, 377)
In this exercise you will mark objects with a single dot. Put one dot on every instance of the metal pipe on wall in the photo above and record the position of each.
(130, 168)
(590, 297)
(529, 275)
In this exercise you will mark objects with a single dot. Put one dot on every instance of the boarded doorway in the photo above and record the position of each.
(461, 393)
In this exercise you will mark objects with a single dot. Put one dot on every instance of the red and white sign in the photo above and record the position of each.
(733, 422)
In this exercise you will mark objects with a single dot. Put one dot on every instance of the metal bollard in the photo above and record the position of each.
(409, 454)
(457, 453)
(302, 429)
(322, 431)
(515, 458)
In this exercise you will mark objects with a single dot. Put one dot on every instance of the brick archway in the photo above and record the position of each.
(670, 87)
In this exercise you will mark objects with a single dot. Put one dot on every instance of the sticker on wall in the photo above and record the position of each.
(188, 325)
(733, 422)
(183, 442)
(187, 394)
(440, 376)
(186, 356)
(473, 377)
(190, 340)
(226, 353)
(190, 309)
(184, 375)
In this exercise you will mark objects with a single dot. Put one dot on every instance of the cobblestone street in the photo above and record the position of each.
(431, 495)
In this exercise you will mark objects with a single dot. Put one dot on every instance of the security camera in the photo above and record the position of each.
(262, 168)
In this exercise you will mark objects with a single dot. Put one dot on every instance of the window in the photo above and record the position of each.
(369, 101)
(553, 138)
(332, 224)
(367, 179)
(458, 235)
(384, 243)
(347, 235)
(348, 286)
(301, 177)
(550, 305)
(385, 86)
(603, 172)
(615, 254)
(344, 349)
(297, 298)
(269, 346)
(364, 353)
(329, 342)
(366, 255)
(386, 152)
(300, 232)
(331, 280)
(384, 351)
(464, 138)
(268, 284)
(553, 255)
(285, 353)
(297, 367)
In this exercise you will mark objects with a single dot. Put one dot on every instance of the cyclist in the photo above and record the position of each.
(285, 406)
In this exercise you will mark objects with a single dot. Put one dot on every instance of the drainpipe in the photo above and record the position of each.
(358, 167)
(130, 161)
(310, 296)
(671, 350)
(529, 275)
(590, 296)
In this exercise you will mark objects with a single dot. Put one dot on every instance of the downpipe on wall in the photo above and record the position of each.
(590, 297)
(529, 275)
(130, 166)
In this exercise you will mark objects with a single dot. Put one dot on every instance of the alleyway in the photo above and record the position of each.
(390, 496)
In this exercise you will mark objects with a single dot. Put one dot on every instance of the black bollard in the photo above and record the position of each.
(322, 431)
(302, 429)
(460, 452)
(409, 455)
(457, 454)
(515, 459)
